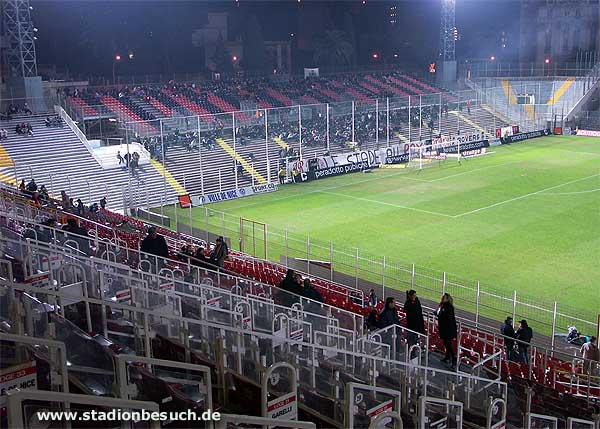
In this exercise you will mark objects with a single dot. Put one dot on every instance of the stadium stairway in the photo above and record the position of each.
(509, 93)
(55, 157)
(240, 159)
(472, 123)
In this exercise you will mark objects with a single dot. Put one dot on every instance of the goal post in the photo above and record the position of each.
(420, 157)
(253, 238)
(432, 155)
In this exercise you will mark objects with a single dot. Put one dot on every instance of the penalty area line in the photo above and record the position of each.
(399, 206)
(525, 196)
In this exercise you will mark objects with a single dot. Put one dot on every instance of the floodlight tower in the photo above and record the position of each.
(448, 34)
(19, 49)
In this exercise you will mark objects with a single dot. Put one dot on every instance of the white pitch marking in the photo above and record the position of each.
(387, 204)
(572, 193)
(525, 196)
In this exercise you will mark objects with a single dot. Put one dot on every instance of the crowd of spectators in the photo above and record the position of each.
(298, 286)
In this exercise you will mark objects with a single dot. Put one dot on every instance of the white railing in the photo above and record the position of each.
(80, 135)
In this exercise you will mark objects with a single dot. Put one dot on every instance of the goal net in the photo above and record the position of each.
(420, 157)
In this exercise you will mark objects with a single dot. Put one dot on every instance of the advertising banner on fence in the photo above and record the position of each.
(322, 173)
(285, 407)
(525, 136)
(465, 147)
(365, 157)
(462, 138)
(232, 194)
(511, 130)
(17, 377)
(588, 133)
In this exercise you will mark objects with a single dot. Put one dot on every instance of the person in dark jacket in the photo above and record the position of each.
(414, 316)
(42, 233)
(219, 253)
(310, 292)
(509, 334)
(389, 315)
(156, 245)
(371, 321)
(287, 281)
(447, 326)
(524, 334)
(78, 234)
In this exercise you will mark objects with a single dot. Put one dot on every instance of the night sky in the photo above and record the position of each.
(84, 36)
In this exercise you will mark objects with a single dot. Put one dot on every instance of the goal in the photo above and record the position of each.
(420, 157)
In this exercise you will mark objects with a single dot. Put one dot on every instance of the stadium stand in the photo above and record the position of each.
(118, 304)
(254, 154)
(56, 157)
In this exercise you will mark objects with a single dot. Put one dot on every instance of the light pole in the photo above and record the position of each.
(117, 59)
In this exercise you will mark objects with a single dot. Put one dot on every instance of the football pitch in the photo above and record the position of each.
(524, 218)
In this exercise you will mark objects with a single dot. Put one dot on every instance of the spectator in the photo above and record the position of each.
(80, 235)
(589, 351)
(120, 158)
(3, 134)
(219, 253)
(94, 209)
(22, 186)
(508, 332)
(372, 299)
(44, 196)
(42, 233)
(200, 258)
(185, 253)
(414, 316)
(32, 186)
(103, 203)
(310, 292)
(287, 282)
(389, 315)
(447, 327)
(371, 321)
(524, 334)
(65, 200)
(155, 245)
(125, 227)
(80, 209)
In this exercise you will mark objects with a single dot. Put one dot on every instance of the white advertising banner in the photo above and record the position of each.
(232, 194)
(17, 377)
(588, 133)
(285, 407)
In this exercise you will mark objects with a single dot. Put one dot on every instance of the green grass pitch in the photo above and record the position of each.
(525, 218)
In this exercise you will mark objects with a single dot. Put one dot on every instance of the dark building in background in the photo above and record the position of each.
(558, 30)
